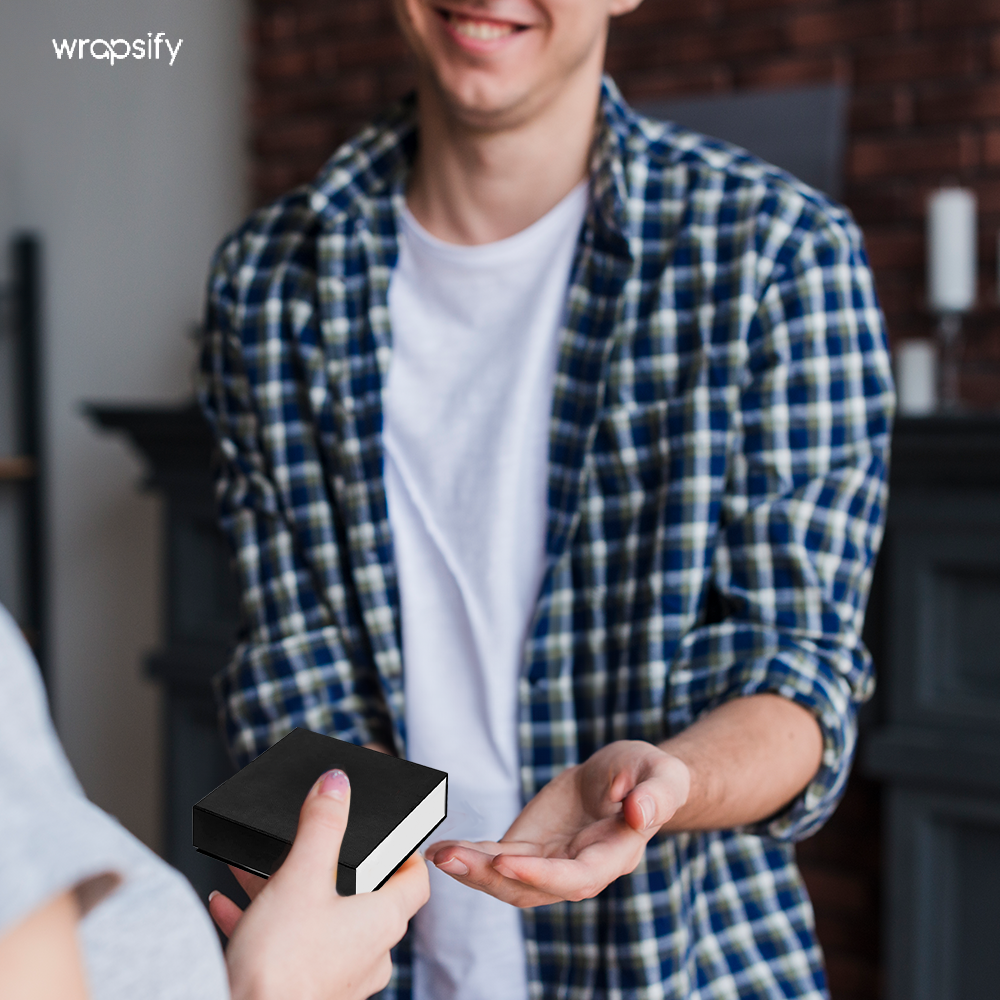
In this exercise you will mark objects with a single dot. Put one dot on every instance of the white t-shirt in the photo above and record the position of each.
(466, 429)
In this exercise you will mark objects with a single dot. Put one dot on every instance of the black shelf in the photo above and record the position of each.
(24, 468)
(935, 749)
(200, 615)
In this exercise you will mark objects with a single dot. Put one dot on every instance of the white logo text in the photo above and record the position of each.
(117, 49)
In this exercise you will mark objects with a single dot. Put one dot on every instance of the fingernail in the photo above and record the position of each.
(213, 894)
(335, 784)
(648, 810)
(453, 867)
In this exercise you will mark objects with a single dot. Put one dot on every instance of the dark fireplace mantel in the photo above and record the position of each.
(199, 618)
(936, 747)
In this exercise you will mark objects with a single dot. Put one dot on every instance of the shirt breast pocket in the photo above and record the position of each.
(633, 453)
(663, 462)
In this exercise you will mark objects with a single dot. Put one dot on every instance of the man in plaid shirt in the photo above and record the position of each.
(714, 461)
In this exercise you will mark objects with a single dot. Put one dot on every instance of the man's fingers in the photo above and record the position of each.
(596, 857)
(224, 912)
(490, 847)
(322, 822)
(475, 869)
(441, 845)
(557, 878)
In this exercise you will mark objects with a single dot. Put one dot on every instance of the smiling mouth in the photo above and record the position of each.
(478, 29)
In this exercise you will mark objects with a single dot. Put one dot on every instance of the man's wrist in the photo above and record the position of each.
(747, 759)
(677, 780)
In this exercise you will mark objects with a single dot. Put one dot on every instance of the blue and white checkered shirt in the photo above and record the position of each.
(717, 484)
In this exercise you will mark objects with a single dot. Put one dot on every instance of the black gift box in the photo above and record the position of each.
(250, 820)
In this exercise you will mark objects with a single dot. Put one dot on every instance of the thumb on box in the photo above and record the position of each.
(322, 822)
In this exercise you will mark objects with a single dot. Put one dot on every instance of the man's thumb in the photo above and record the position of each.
(322, 822)
(655, 800)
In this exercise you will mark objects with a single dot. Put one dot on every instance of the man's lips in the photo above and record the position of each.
(479, 29)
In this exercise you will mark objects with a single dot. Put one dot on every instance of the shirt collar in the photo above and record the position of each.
(377, 163)
(608, 183)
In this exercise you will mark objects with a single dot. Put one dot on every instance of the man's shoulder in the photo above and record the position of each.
(720, 181)
(284, 232)
(274, 234)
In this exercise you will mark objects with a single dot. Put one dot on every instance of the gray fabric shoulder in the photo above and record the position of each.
(152, 939)
(53, 839)
(148, 940)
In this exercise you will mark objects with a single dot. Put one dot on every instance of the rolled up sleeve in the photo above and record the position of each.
(803, 512)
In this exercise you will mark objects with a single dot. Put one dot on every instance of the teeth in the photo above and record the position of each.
(483, 31)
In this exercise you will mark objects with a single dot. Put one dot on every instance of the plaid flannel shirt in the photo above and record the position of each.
(717, 483)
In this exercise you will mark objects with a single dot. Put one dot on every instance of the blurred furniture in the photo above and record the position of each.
(21, 465)
(200, 617)
(937, 744)
(800, 129)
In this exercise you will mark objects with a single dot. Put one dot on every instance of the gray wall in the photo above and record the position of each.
(131, 173)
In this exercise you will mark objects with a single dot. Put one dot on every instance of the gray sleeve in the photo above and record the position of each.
(152, 939)
(52, 839)
(144, 934)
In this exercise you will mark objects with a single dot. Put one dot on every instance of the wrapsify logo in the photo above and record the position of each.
(117, 48)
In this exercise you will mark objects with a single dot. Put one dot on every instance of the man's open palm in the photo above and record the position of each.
(584, 829)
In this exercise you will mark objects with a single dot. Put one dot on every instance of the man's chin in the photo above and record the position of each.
(488, 107)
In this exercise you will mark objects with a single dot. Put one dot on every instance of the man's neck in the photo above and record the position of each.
(473, 185)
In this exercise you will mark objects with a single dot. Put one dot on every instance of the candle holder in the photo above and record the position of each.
(950, 338)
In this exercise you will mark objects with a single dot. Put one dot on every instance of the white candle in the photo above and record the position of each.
(951, 250)
(916, 377)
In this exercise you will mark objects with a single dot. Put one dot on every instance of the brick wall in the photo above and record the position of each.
(925, 110)
(925, 77)
(320, 70)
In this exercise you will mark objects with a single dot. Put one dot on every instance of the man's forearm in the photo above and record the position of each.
(747, 758)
